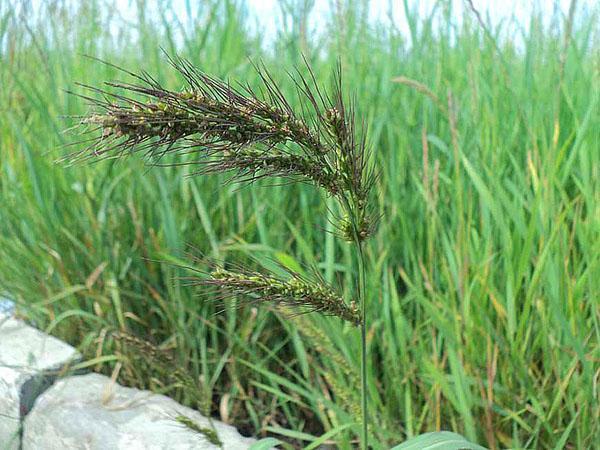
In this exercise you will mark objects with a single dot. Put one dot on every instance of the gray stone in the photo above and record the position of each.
(29, 360)
(92, 412)
(10, 420)
(24, 348)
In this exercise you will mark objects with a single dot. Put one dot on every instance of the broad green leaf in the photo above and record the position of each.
(440, 440)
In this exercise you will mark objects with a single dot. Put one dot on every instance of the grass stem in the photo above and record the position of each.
(361, 281)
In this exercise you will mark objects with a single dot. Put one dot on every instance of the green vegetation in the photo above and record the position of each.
(484, 270)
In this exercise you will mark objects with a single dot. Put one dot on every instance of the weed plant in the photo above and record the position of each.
(221, 129)
(484, 268)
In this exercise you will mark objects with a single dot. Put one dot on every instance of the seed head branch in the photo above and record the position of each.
(295, 291)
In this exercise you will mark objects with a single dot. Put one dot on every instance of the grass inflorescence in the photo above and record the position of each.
(222, 128)
(483, 318)
(294, 292)
(210, 434)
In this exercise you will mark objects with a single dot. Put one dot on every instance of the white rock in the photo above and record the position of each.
(92, 412)
(28, 358)
(10, 403)
(27, 349)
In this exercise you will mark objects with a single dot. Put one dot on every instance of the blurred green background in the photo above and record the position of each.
(484, 273)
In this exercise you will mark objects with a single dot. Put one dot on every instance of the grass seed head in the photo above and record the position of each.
(226, 129)
(295, 292)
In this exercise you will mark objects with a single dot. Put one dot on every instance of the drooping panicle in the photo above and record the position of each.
(352, 162)
(295, 291)
(249, 133)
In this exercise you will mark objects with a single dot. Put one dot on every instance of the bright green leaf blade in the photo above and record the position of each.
(440, 440)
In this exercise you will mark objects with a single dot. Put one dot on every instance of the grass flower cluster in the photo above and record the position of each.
(482, 315)
(235, 130)
(294, 292)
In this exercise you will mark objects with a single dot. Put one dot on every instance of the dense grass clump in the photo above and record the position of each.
(485, 267)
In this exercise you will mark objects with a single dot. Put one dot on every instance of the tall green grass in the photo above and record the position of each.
(485, 273)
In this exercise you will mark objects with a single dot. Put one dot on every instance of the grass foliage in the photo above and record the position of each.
(485, 268)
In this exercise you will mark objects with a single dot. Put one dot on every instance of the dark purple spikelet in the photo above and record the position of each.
(221, 128)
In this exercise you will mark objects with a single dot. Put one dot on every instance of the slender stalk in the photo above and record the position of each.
(363, 342)
(356, 222)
